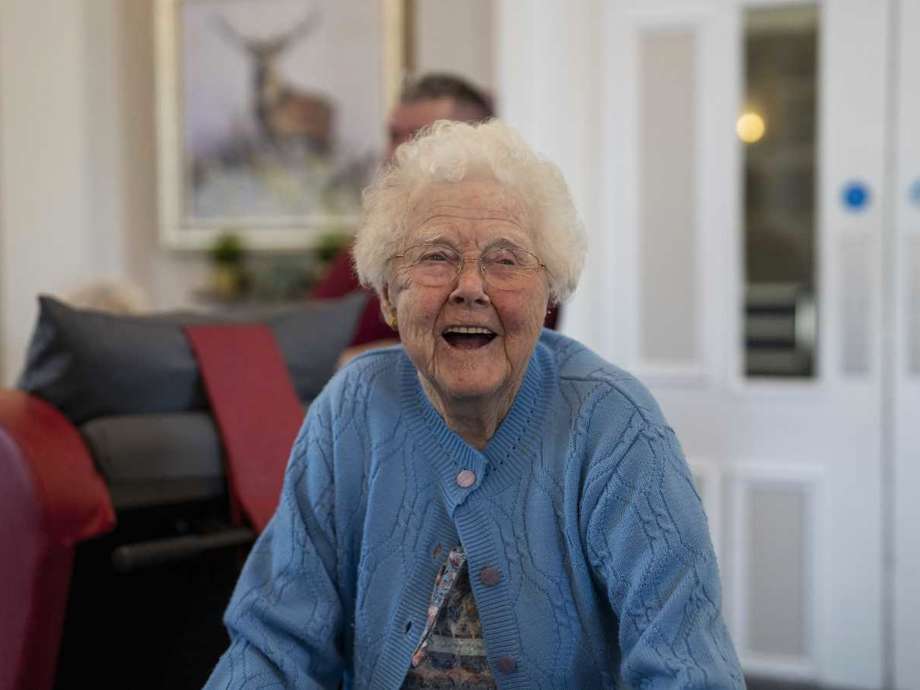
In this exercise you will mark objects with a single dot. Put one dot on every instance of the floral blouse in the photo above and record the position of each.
(451, 652)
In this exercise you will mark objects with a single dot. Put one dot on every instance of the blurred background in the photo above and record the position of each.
(749, 175)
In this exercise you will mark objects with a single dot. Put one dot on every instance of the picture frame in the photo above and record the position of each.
(271, 116)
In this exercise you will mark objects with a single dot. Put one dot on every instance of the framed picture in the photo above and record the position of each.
(271, 115)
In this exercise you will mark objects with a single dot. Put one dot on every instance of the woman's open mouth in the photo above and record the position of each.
(468, 337)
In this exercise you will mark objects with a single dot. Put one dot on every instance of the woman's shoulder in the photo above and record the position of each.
(357, 405)
(368, 376)
(599, 386)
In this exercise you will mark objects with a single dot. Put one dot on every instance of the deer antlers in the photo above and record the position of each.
(271, 45)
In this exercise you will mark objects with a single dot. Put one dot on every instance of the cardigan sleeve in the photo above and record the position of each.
(285, 616)
(650, 546)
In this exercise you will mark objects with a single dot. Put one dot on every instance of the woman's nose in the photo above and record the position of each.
(470, 287)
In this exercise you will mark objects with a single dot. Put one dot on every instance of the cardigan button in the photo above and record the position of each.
(506, 664)
(490, 576)
(466, 479)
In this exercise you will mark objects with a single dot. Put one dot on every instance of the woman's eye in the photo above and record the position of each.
(435, 257)
(503, 259)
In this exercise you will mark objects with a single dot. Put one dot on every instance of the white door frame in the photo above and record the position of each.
(567, 78)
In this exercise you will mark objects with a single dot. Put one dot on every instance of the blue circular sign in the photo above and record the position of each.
(913, 192)
(855, 196)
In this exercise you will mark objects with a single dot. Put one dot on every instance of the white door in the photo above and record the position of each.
(790, 467)
(903, 374)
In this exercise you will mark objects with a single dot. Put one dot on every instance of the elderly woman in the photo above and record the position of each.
(490, 504)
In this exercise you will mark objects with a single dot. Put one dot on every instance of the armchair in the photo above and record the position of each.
(116, 534)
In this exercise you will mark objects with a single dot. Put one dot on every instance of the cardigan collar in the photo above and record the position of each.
(509, 452)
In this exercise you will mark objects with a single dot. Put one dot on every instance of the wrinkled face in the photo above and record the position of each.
(468, 340)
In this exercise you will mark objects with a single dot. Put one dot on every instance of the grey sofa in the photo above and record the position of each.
(112, 471)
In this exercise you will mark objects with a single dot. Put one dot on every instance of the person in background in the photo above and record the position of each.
(110, 295)
(422, 102)
(490, 504)
(431, 98)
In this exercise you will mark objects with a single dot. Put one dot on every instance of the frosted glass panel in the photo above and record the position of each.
(913, 307)
(855, 304)
(777, 572)
(667, 219)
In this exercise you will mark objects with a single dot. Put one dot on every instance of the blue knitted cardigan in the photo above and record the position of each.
(582, 501)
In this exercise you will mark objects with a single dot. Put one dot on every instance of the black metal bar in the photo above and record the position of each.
(131, 557)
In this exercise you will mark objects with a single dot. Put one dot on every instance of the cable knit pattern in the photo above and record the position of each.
(582, 501)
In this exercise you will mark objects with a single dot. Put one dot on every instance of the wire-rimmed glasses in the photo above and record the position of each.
(503, 266)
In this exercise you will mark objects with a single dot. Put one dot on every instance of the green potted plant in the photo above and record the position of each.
(227, 255)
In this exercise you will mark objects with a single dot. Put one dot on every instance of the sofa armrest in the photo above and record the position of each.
(50, 498)
(42, 455)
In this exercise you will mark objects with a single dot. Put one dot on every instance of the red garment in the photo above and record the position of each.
(341, 279)
(255, 407)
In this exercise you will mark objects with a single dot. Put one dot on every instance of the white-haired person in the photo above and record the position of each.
(488, 504)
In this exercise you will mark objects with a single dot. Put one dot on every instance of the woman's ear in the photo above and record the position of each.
(387, 307)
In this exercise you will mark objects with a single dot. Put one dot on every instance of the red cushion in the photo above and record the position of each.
(255, 407)
(72, 497)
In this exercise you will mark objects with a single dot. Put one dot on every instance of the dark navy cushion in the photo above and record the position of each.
(157, 459)
(91, 364)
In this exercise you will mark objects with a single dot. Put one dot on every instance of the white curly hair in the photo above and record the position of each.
(449, 151)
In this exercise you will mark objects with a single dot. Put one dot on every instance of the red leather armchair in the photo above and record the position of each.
(51, 497)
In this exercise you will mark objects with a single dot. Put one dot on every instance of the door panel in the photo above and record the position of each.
(797, 461)
(904, 374)
(669, 325)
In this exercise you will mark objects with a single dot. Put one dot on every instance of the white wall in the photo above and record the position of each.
(78, 148)
(43, 170)
(551, 87)
(456, 37)
(77, 160)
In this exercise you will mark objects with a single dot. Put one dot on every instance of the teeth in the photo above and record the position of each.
(468, 330)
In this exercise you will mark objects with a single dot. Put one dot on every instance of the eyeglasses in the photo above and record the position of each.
(503, 266)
